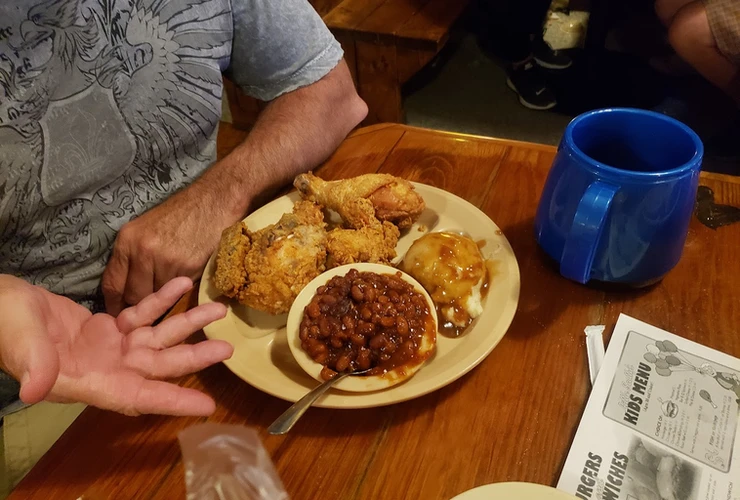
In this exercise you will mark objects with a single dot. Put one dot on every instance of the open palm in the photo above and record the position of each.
(64, 353)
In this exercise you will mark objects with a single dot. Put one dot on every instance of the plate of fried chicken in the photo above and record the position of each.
(263, 262)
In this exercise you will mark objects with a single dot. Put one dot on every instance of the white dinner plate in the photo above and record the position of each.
(514, 491)
(263, 359)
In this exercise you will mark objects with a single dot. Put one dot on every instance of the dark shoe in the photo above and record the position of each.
(532, 89)
(545, 56)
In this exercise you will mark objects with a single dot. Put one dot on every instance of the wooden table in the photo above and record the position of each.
(510, 419)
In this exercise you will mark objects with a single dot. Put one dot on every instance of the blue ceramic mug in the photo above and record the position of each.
(619, 197)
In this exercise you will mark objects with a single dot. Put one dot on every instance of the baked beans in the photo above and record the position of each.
(365, 320)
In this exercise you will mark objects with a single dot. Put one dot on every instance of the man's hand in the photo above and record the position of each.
(173, 239)
(61, 352)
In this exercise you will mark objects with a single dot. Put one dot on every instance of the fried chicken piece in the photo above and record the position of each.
(308, 213)
(363, 199)
(230, 276)
(278, 262)
(367, 244)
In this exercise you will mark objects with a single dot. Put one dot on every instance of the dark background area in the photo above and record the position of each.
(464, 88)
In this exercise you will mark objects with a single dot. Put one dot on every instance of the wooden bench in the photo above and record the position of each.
(385, 42)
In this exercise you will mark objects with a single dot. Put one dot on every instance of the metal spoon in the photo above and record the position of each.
(287, 420)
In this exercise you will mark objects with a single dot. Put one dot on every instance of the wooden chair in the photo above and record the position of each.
(385, 42)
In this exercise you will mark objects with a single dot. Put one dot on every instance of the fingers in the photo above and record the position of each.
(153, 306)
(177, 328)
(139, 282)
(174, 330)
(133, 395)
(168, 399)
(179, 360)
(129, 275)
(114, 279)
(167, 268)
(26, 349)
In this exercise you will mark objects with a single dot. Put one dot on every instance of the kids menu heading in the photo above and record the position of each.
(661, 422)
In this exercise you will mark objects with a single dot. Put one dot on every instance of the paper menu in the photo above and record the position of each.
(661, 422)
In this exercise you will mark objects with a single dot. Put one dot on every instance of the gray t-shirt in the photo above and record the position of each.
(109, 106)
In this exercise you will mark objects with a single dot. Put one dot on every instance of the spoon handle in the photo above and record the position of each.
(287, 420)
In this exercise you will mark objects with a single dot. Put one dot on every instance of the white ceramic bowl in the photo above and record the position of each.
(358, 383)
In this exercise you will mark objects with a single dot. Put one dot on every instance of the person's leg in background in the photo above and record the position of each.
(706, 36)
(666, 10)
(29, 433)
(513, 31)
(669, 64)
(533, 14)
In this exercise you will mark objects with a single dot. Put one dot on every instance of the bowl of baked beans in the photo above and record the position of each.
(363, 317)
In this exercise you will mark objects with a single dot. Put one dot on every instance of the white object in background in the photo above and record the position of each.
(566, 31)
(594, 349)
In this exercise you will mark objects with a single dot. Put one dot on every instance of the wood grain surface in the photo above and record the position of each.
(510, 419)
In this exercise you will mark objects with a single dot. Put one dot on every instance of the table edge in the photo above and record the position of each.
(510, 142)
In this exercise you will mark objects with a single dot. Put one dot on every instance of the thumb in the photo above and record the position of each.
(41, 369)
(26, 351)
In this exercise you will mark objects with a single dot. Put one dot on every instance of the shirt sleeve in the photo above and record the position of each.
(279, 46)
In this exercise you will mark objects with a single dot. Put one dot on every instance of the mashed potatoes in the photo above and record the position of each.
(451, 268)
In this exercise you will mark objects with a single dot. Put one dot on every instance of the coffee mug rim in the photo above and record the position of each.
(681, 169)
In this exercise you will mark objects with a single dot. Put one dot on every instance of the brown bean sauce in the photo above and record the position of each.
(365, 321)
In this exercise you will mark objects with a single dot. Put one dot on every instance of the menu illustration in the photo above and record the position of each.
(661, 422)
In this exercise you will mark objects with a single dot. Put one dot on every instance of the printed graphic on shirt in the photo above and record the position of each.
(106, 108)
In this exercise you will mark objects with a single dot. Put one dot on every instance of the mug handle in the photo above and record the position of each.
(585, 232)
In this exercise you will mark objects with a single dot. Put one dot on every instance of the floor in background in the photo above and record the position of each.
(467, 93)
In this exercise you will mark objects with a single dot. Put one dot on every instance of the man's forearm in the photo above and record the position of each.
(295, 133)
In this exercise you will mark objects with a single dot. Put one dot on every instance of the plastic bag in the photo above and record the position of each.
(225, 462)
